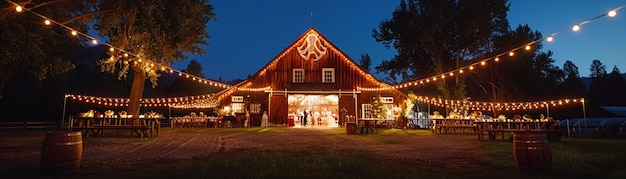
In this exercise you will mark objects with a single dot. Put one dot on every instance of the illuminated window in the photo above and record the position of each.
(237, 107)
(328, 75)
(298, 75)
(366, 110)
(387, 100)
(255, 108)
(236, 99)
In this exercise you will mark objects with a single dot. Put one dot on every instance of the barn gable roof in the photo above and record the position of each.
(297, 46)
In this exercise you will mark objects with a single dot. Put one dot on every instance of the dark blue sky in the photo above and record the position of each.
(250, 33)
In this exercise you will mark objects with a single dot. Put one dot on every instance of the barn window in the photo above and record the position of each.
(328, 75)
(298, 75)
(366, 110)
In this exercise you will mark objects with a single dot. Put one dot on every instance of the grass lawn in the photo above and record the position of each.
(571, 158)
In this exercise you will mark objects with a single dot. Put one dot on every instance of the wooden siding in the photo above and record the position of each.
(278, 75)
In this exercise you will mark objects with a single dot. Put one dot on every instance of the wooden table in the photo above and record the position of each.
(369, 125)
(452, 125)
(95, 126)
(493, 127)
(200, 122)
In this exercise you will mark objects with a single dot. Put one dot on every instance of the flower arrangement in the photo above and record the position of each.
(89, 113)
(123, 114)
(502, 117)
(108, 113)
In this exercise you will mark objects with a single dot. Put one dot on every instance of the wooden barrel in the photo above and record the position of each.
(532, 152)
(351, 127)
(62, 152)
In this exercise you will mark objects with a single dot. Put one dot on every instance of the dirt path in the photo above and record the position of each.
(437, 150)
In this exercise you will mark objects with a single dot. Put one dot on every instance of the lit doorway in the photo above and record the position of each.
(323, 110)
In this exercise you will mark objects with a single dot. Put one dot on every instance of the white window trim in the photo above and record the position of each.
(366, 110)
(293, 80)
(332, 71)
(387, 100)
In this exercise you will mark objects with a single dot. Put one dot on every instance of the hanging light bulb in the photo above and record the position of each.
(550, 38)
(74, 33)
(47, 22)
(496, 59)
(482, 63)
(576, 28)
(94, 41)
(527, 47)
(511, 54)
(18, 8)
(111, 49)
(611, 13)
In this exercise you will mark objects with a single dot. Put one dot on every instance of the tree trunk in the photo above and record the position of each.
(136, 91)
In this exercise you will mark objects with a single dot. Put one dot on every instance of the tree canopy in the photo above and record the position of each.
(433, 37)
(152, 31)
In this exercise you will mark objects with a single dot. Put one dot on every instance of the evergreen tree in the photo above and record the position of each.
(433, 37)
(597, 69)
(366, 62)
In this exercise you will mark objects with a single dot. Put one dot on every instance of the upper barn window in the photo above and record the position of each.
(328, 75)
(298, 75)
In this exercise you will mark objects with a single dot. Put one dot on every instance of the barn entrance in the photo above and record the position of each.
(322, 109)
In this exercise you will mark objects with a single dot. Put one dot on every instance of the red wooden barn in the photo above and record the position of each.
(311, 74)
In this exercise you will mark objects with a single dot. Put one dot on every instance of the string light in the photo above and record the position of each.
(527, 46)
(508, 106)
(273, 64)
(94, 41)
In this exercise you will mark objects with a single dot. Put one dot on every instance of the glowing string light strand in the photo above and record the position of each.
(93, 40)
(549, 38)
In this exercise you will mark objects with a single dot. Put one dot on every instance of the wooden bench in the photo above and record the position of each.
(98, 130)
(552, 134)
(445, 128)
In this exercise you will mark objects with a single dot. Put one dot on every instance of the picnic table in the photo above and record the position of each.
(370, 125)
(452, 125)
(494, 127)
(95, 126)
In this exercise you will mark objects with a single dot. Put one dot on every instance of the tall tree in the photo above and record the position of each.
(527, 75)
(27, 45)
(573, 85)
(571, 70)
(433, 37)
(597, 69)
(366, 62)
(195, 68)
(152, 31)
(607, 90)
(615, 70)
(157, 32)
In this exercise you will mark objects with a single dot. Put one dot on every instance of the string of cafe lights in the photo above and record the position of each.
(124, 53)
(500, 106)
(496, 58)
(198, 101)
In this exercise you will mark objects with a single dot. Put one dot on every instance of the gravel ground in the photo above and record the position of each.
(22, 152)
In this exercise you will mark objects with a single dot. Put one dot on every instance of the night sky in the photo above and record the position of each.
(250, 33)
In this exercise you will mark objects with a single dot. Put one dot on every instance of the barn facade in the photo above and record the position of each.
(310, 74)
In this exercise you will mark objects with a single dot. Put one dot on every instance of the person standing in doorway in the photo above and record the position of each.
(305, 114)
